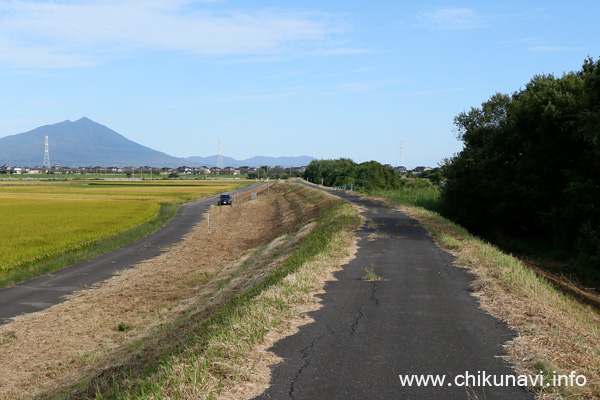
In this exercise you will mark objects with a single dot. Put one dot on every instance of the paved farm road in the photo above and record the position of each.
(48, 290)
(421, 319)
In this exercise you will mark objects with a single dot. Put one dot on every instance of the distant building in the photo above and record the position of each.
(419, 170)
(422, 169)
(299, 169)
(185, 170)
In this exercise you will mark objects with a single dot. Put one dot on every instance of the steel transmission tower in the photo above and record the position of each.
(46, 155)
(220, 156)
(402, 153)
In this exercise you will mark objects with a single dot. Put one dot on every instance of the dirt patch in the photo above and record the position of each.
(77, 338)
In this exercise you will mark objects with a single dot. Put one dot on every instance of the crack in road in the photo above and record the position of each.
(357, 320)
(361, 314)
(382, 329)
(373, 291)
(305, 362)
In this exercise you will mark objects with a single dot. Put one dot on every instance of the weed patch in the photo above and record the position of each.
(371, 275)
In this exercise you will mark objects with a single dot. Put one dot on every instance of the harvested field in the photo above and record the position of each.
(83, 336)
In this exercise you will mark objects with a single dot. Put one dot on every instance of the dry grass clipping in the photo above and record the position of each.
(73, 339)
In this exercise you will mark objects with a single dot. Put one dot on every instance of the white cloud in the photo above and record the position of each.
(450, 19)
(365, 86)
(79, 33)
(552, 49)
(339, 51)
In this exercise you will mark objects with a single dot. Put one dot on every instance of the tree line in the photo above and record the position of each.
(345, 172)
(530, 166)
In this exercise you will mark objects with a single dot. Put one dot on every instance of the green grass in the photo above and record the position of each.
(199, 355)
(425, 195)
(371, 275)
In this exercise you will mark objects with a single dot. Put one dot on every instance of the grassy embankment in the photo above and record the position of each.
(557, 334)
(415, 192)
(206, 352)
(49, 225)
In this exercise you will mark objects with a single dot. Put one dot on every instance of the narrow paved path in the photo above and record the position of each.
(421, 319)
(48, 290)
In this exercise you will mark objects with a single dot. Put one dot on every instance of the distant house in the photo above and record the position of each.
(203, 170)
(417, 171)
(185, 170)
(422, 169)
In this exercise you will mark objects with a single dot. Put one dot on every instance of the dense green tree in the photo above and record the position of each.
(531, 162)
(435, 175)
(345, 172)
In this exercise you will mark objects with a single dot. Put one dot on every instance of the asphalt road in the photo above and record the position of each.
(48, 290)
(421, 319)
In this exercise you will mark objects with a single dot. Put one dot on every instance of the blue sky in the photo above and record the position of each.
(323, 78)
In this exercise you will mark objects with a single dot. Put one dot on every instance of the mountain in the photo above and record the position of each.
(257, 161)
(80, 143)
(88, 143)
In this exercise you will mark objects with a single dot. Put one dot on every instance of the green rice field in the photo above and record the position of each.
(41, 219)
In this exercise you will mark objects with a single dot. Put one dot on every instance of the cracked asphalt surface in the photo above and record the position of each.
(45, 291)
(421, 319)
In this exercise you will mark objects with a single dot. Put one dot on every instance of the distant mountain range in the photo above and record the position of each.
(256, 161)
(88, 143)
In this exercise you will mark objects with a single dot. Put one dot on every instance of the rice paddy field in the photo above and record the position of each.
(40, 219)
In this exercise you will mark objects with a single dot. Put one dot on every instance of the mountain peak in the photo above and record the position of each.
(85, 142)
(84, 120)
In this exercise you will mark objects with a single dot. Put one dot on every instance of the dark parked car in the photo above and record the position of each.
(225, 199)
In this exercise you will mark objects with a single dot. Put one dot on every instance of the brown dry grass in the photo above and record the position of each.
(80, 337)
(307, 284)
(555, 331)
